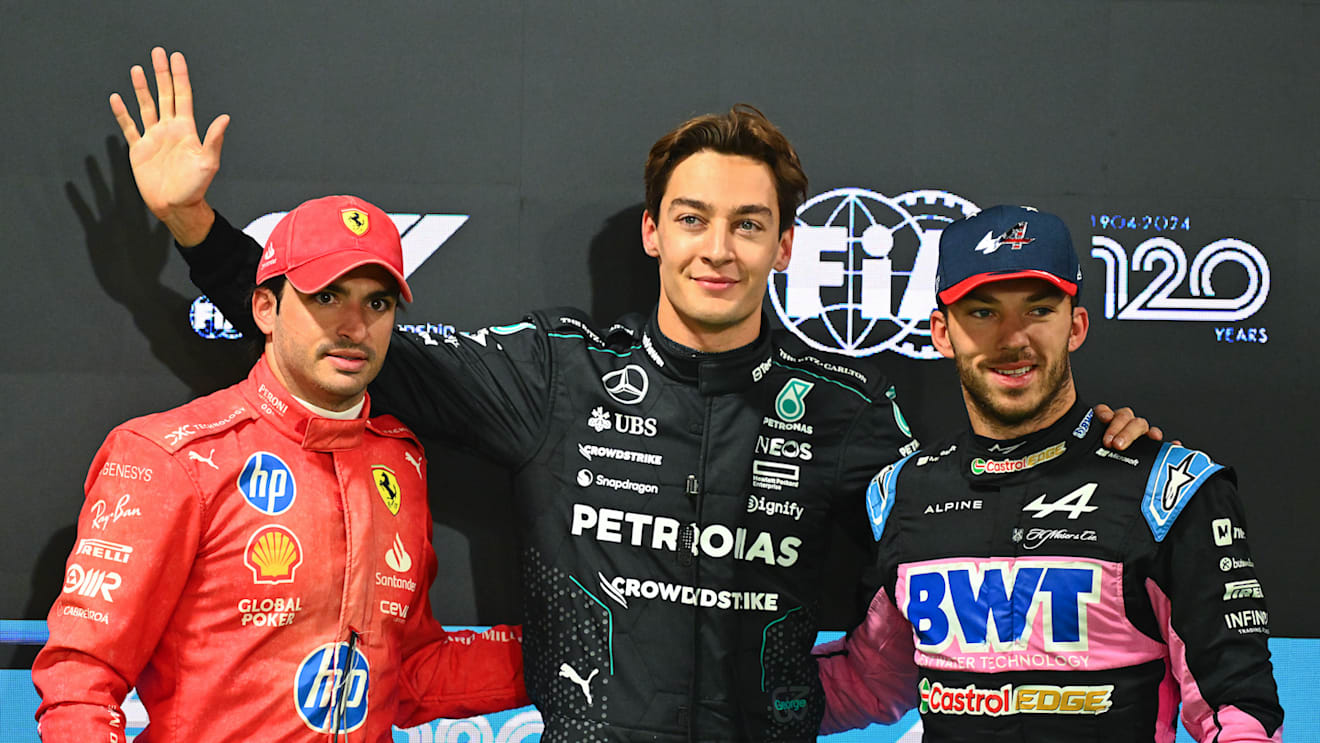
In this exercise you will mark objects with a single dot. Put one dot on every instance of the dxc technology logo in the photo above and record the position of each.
(421, 234)
(862, 278)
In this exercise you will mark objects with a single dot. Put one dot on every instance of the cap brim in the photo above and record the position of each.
(319, 273)
(960, 289)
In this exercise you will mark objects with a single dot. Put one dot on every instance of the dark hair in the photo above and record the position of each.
(742, 131)
(276, 286)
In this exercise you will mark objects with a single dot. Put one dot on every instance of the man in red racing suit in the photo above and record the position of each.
(1049, 587)
(258, 563)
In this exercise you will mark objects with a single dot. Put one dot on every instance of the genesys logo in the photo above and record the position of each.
(421, 234)
(862, 278)
(937, 698)
(330, 688)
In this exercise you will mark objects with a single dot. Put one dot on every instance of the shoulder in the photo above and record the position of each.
(860, 377)
(204, 418)
(572, 324)
(1174, 475)
(389, 427)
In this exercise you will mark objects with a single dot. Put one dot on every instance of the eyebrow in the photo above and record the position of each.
(704, 207)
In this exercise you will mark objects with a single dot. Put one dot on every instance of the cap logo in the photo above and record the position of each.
(1015, 238)
(356, 221)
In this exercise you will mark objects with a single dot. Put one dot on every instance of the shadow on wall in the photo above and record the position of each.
(623, 276)
(47, 580)
(128, 248)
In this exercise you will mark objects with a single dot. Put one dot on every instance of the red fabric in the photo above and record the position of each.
(209, 602)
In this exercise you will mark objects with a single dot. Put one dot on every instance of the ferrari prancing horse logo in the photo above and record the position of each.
(356, 221)
(388, 487)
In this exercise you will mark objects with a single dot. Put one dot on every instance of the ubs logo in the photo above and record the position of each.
(852, 250)
(628, 385)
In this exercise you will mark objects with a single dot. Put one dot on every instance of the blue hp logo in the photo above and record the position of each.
(331, 690)
(862, 278)
(267, 484)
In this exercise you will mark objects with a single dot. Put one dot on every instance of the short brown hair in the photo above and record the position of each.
(742, 131)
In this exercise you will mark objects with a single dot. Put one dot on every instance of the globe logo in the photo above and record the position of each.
(862, 277)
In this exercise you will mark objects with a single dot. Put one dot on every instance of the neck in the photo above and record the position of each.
(700, 337)
(988, 423)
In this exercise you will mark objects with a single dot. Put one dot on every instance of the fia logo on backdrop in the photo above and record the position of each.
(862, 277)
(421, 234)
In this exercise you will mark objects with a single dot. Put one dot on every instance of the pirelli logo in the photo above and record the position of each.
(103, 550)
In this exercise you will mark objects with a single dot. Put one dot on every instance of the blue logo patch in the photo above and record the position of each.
(1177, 474)
(267, 484)
(880, 496)
(330, 691)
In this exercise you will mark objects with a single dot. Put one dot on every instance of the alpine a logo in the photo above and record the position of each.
(627, 386)
(862, 278)
(421, 235)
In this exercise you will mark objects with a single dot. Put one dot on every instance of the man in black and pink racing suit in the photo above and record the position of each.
(1049, 588)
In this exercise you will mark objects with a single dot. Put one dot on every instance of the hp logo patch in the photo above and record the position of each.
(862, 278)
(628, 385)
(331, 692)
(267, 484)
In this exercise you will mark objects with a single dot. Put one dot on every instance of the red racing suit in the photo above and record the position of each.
(260, 571)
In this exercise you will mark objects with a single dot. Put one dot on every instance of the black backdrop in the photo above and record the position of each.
(533, 118)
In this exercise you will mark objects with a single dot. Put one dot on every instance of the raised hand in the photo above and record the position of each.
(172, 167)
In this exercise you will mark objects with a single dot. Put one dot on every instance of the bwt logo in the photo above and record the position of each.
(331, 693)
(862, 278)
(1154, 303)
(421, 235)
(992, 606)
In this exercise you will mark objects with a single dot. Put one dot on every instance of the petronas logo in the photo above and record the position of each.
(791, 405)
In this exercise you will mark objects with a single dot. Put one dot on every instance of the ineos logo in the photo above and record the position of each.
(628, 385)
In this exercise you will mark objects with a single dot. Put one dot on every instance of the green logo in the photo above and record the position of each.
(789, 405)
(924, 688)
(898, 414)
(978, 466)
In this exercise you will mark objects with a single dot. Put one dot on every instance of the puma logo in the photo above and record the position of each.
(566, 671)
(207, 458)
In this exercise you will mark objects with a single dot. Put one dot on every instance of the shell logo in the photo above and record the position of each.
(273, 554)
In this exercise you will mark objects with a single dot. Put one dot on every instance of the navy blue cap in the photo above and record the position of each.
(1006, 242)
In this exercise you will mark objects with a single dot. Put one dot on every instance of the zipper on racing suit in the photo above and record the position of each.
(687, 714)
(342, 684)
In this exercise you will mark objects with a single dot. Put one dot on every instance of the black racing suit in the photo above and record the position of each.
(674, 508)
(1056, 590)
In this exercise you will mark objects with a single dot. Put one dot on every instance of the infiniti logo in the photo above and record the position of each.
(627, 385)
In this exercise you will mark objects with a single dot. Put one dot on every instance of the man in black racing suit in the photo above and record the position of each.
(676, 479)
(1054, 589)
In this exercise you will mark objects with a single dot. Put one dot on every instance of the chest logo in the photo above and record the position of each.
(791, 404)
(628, 385)
(1074, 504)
(387, 484)
(273, 554)
(267, 483)
(397, 557)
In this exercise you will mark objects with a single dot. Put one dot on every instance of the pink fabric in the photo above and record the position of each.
(872, 678)
(1107, 639)
(1232, 724)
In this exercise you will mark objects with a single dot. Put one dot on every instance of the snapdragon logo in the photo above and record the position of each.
(862, 278)
(421, 234)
